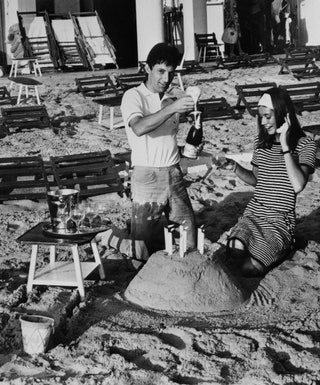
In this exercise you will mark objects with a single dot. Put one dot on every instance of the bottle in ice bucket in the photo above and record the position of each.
(195, 134)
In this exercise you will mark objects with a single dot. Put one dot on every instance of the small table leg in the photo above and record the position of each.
(37, 94)
(32, 268)
(97, 258)
(79, 276)
(100, 114)
(19, 94)
(52, 254)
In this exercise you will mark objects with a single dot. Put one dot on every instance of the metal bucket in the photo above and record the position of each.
(60, 204)
(36, 332)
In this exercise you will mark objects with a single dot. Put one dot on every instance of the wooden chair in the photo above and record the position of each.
(92, 173)
(23, 178)
(208, 47)
(249, 95)
(305, 96)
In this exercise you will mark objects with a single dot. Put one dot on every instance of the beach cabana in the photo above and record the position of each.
(91, 35)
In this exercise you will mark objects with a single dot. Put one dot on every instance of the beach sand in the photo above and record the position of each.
(271, 339)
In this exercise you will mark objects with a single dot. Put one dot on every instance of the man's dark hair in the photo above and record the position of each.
(163, 53)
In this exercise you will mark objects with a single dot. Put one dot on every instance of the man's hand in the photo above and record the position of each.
(183, 105)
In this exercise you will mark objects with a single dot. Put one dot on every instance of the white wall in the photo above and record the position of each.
(215, 18)
(308, 22)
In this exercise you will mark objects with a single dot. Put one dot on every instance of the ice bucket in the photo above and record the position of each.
(60, 204)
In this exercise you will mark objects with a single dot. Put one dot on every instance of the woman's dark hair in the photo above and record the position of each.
(163, 53)
(282, 106)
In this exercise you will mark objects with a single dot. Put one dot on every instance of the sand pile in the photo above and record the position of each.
(195, 283)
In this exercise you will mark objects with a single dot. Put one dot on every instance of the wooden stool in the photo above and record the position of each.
(26, 83)
(33, 64)
(66, 273)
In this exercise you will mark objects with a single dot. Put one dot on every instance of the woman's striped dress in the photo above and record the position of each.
(268, 223)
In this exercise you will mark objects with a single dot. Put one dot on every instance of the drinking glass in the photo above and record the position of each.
(77, 215)
(90, 213)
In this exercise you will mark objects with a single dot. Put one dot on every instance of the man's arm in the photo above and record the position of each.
(142, 125)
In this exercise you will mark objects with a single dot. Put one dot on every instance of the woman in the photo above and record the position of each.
(282, 161)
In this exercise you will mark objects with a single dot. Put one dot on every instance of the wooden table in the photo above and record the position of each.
(66, 273)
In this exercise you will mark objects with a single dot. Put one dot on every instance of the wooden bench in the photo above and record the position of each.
(16, 119)
(23, 178)
(305, 96)
(249, 95)
(92, 173)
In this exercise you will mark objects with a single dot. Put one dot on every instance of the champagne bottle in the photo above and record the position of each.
(194, 137)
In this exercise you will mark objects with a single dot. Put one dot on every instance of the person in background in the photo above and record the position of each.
(151, 119)
(282, 161)
(231, 18)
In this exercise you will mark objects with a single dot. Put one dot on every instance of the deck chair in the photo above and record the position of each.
(67, 49)
(217, 108)
(93, 86)
(23, 178)
(37, 39)
(305, 96)
(126, 81)
(249, 95)
(261, 59)
(208, 47)
(92, 173)
(98, 47)
(233, 62)
(299, 62)
(16, 118)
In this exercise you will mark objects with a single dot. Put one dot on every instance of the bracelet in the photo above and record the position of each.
(286, 152)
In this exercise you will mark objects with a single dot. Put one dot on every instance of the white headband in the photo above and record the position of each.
(266, 101)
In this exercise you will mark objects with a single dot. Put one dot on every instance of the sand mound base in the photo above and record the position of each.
(195, 283)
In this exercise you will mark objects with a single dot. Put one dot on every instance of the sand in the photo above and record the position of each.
(271, 338)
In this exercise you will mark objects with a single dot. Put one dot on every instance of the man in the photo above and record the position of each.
(151, 119)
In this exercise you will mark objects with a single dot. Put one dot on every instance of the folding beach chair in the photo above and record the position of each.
(97, 45)
(249, 95)
(23, 178)
(5, 97)
(92, 173)
(37, 39)
(18, 118)
(71, 56)
(305, 96)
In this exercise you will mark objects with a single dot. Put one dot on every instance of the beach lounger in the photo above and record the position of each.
(94, 86)
(23, 178)
(37, 40)
(92, 173)
(71, 54)
(305, 96)
(97, 45)
(15, 119)
(299, 62)
(126, 81)
(233, 62)
(261, 59)
(249, 95)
